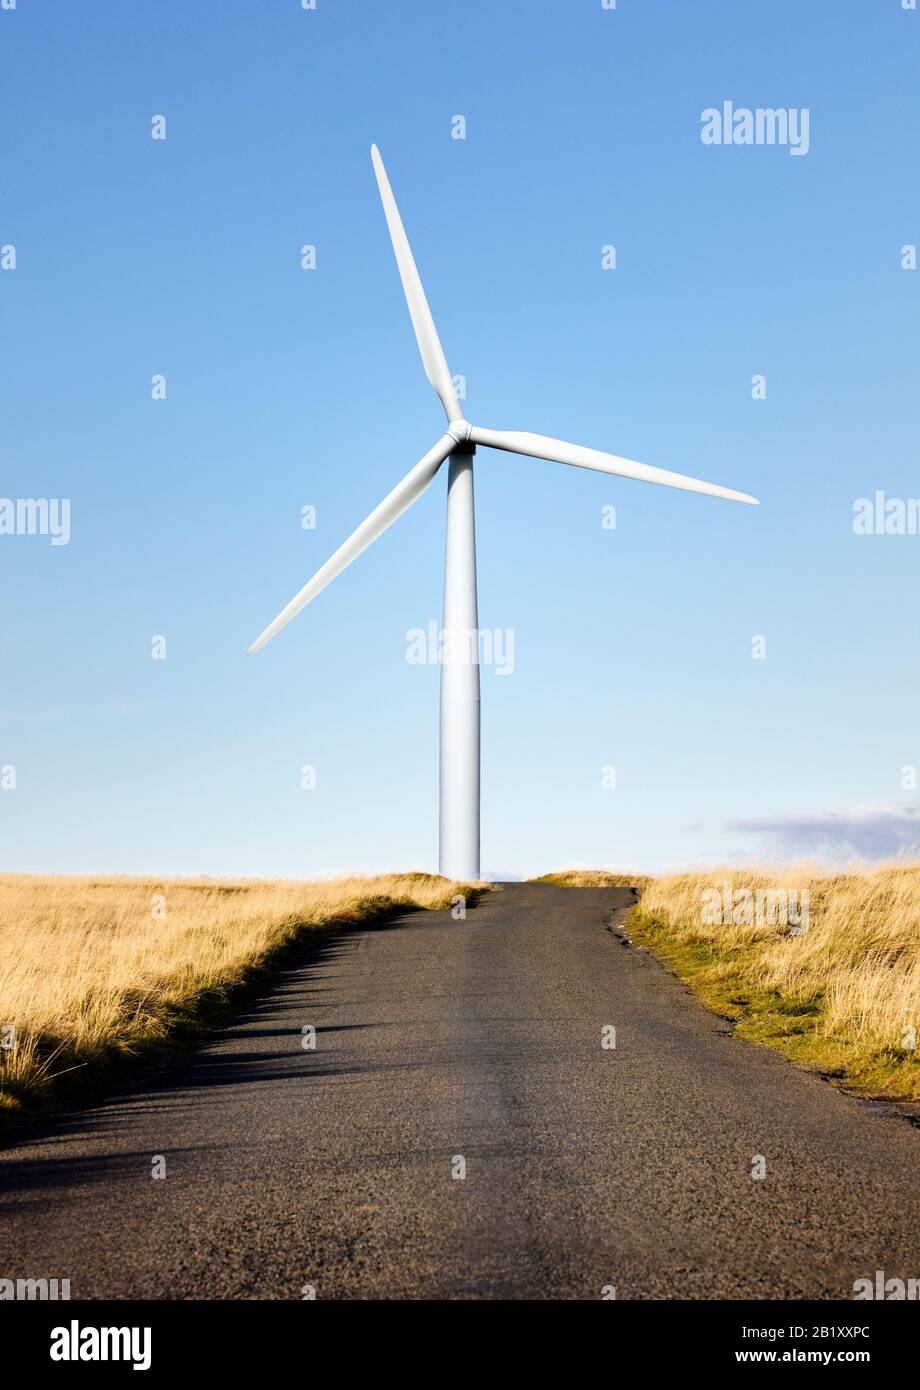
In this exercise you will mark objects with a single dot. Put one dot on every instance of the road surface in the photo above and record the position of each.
(472, 1046)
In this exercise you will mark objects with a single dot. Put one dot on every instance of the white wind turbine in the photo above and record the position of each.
(459, 794)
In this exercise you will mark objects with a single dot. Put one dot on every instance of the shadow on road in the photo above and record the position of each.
(196, 1077)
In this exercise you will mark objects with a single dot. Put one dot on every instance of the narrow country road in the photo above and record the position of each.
(444, 1043)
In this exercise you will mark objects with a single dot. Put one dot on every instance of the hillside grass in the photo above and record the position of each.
(101, 975)
(595, 878)
(841, 998)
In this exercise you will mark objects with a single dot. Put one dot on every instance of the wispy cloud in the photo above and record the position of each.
(870, 832)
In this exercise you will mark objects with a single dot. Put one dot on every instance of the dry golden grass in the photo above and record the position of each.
(92, 972)
(843, 996)
(595, 878)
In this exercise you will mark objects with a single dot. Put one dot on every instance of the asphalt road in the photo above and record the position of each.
(478, 1040)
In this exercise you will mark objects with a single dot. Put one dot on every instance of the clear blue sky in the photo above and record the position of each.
(288, 387)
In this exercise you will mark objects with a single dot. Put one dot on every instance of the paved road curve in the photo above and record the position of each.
(585, 1166)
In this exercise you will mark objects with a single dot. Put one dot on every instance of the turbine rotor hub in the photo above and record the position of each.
(460, 430)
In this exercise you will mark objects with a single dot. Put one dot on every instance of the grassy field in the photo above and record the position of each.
(99, 974)
(835, 987)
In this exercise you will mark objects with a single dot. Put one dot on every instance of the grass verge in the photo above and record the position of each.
(101, 976)
(841, 997)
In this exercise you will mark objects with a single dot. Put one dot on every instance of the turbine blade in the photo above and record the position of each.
(558, 451)
(393, 505)
(426, 334)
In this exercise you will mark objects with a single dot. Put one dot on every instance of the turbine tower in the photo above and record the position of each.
(459, 730)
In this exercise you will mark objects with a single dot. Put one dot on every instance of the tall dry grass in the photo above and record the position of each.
(97, 970)
(843, 994)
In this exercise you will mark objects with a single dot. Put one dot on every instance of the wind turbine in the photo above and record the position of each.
(459, 770)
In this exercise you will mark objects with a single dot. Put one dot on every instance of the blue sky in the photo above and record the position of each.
(287, 388)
